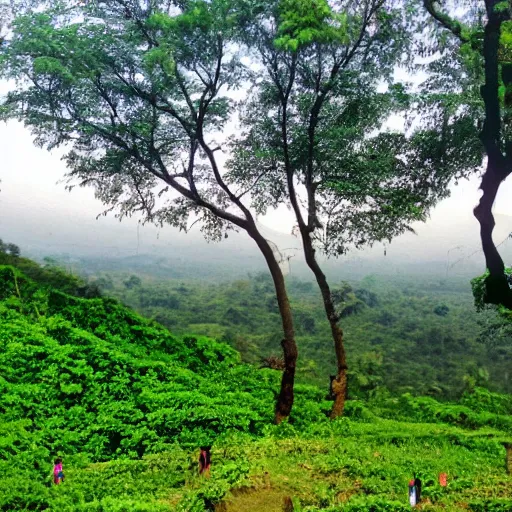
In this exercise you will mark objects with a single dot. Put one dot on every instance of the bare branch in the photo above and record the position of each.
(253, 185)
(194, 223)
(147, 208)
(190, 169)
(105, 96)
(186, 95)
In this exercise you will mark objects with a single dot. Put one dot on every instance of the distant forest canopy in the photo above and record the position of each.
(402, 336)
(416, 333)
(438, 250)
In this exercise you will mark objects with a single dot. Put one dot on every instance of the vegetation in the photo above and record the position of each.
(141, 95)
(90, 378)
(127, 404)
(409, 335)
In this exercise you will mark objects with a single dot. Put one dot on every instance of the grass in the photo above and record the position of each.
(89, 379)
(249, 500)
(348, 465)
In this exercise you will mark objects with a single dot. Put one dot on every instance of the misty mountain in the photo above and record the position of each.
(440, 247)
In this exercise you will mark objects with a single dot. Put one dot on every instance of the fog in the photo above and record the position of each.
(38, 214)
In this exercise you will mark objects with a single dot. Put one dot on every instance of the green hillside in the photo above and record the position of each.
(127, 404)
(405, 334)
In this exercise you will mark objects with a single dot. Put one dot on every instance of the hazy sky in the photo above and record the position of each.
(34, 207)
(30, 178)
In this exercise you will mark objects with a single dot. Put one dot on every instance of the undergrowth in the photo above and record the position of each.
(127, 404)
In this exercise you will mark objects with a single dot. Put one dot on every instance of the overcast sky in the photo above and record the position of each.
(30, 177)
(34, 206)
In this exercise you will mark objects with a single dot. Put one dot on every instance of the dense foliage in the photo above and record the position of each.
(126, 404)
(139, 93)
(409, 334)
(90, 377)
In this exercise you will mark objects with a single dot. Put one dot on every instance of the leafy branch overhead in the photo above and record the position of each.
(111, 98)
(304, 22)
(363, 182)
(485, 42)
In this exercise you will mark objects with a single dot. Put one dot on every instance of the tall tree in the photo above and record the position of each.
(484, 37)
(315, 139)
(140, 94)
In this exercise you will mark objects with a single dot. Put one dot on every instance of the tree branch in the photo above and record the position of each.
(446, 21)
(190, 169)
(107, 99)
(145, 206)
(186, 95)
(152, 100)
(322, 94)
(253, 184)
(205, 101)
(129, 14)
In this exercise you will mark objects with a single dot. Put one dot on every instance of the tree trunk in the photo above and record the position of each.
(339, 384)
(497, 287)
(285, 399)
(498, 164)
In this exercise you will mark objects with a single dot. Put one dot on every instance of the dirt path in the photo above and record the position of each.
(255, 500)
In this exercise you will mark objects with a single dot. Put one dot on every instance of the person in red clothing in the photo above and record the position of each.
(204, 460)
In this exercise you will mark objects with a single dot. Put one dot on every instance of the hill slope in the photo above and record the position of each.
(90, 377)
(127, 404)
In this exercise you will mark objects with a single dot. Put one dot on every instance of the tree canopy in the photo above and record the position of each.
(317, 129)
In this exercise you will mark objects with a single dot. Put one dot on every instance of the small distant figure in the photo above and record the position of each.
(412, 494)
(414, 491)
(443, 479)
(417, 484)
(288, 504)
(58, 473)
(204, 460)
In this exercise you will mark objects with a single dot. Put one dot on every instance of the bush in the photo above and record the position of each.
(495, 505)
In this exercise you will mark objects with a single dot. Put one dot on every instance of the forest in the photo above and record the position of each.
(370, 393)
(409, 335)
(127, 403)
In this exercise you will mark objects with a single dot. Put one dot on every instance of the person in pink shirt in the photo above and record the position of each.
(58, 475)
